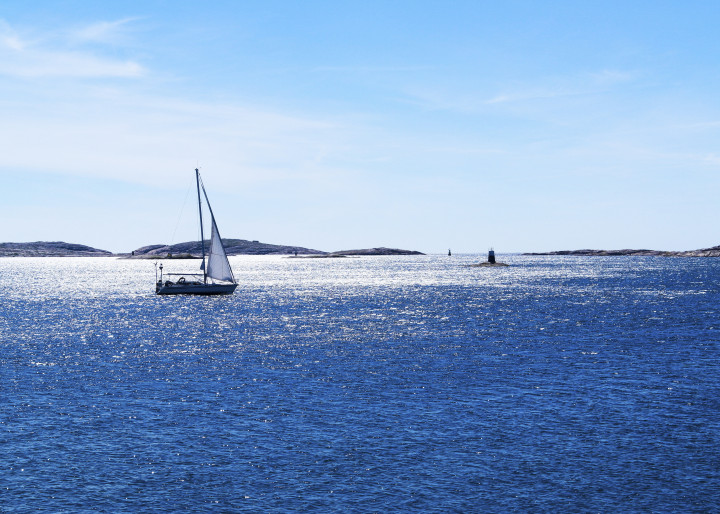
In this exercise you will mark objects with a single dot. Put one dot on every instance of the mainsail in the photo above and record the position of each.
(218, 266)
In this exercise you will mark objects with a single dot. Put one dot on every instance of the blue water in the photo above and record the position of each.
(362, 385)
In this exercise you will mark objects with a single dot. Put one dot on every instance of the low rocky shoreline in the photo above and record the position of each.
(50, 249)
(192, 250)
(358, 253)
(704, 252)
(232, 247)
(378, 251)
(187, 250)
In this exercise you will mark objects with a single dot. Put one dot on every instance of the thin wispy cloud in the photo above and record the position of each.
(559, 87)
(711, 158)
(9, 38)
(448, 97)
(48, 57)
(499, 99)
(120, 135)
(612, 77)
(12, 42)
(370, 69)
(108, 32)
(65, 64)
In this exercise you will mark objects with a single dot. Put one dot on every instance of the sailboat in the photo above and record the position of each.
(217, 276)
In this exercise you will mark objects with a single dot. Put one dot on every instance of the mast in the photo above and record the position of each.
(202, 235)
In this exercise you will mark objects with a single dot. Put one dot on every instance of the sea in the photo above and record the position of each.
(362, 385)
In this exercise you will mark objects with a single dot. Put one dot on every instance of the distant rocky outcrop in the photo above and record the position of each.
(50, 249)
(193, 249)
(600, 253)
(359, 253)
(376, 251)
(704, 252)
(318, 256)
(187, 250)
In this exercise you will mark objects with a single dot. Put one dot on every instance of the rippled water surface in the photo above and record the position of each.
(362, 385)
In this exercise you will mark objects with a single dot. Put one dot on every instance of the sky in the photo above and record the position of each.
(424, 125)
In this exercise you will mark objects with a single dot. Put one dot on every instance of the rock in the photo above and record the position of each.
(600, 253)
(319, 256)
(192, 249)
(377, 251)
(705, 252)
(50, 249)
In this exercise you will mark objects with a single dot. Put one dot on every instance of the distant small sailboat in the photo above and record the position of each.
(217, 275)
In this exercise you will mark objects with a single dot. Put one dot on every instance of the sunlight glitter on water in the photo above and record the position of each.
(496, 389)
(44, 278)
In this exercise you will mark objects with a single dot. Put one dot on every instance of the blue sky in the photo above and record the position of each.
(427, 125)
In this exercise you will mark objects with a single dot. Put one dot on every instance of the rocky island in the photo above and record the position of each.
(187, 250)
(192, 249)
(703, 252)
(50, 249)
(378, 251)
(364, 252)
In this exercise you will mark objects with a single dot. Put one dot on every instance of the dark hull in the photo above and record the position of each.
(196, 289)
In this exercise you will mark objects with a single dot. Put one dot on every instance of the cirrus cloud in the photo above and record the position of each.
(24, 57)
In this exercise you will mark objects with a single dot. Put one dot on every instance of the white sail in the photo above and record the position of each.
(218, 266)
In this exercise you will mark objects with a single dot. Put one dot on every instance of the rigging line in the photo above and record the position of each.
(177, 224)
